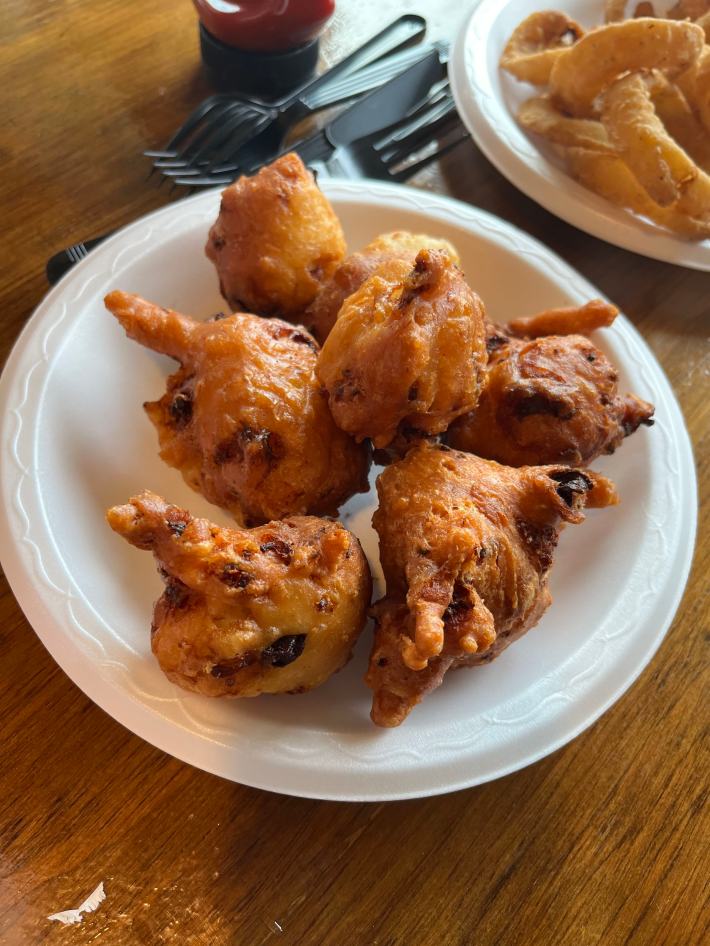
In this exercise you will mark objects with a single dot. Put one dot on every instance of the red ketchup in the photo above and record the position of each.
(264, 25)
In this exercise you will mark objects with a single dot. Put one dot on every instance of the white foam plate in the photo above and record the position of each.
(488, 99)
(75, 441)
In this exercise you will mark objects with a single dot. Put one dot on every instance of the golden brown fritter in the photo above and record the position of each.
(466, 546)
(275, 241)
(275, 609)
(407, 352)
(552, 399)
(244, 419)
(320, 316)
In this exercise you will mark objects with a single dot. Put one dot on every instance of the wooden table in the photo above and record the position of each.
(600, 843)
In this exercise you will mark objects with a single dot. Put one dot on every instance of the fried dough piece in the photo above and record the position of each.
(275, 241)
(552, 399)
(275, 609)
(466, 546)
(408, 351)
(355, 269)
(567, 320)
(244, 418)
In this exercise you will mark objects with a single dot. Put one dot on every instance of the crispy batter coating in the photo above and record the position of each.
(408, 351)
(276, 239)
(614, 10)
(657, 161)
(539, 115)
(466, 546)
(606, 53)
(552, 399)
(611, 178)
(695, 85)
(690, 9)
(704, 23)
(681, 122)
(355, 269)
(244, 418)
(275, 609)
(537, 43)
(566, 320)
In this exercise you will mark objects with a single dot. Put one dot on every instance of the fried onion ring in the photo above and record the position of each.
(614, 11)
(537, 43)
(695, 199)
(610, 177)
(695, 85)
(680, 121)
(604, 54)
(704, 23)
(688, 10)
(539, 115)
(658, 163)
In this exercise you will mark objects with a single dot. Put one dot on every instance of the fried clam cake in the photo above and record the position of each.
(407, 353)
(322, 313)
(274, 609)
(244, 418)
(549, 394)
(466, 547)
(275, 241)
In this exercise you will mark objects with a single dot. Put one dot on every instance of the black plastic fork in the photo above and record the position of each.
(395, 153)
(230, 151)
(222, 124)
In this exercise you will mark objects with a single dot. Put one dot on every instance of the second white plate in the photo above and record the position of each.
(488, 98)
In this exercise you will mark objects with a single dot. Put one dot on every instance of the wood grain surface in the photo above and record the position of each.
(604, 842)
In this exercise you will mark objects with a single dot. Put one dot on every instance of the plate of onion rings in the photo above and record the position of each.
(600, 112)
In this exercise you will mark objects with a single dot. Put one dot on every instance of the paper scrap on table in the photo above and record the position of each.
(96, 897)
